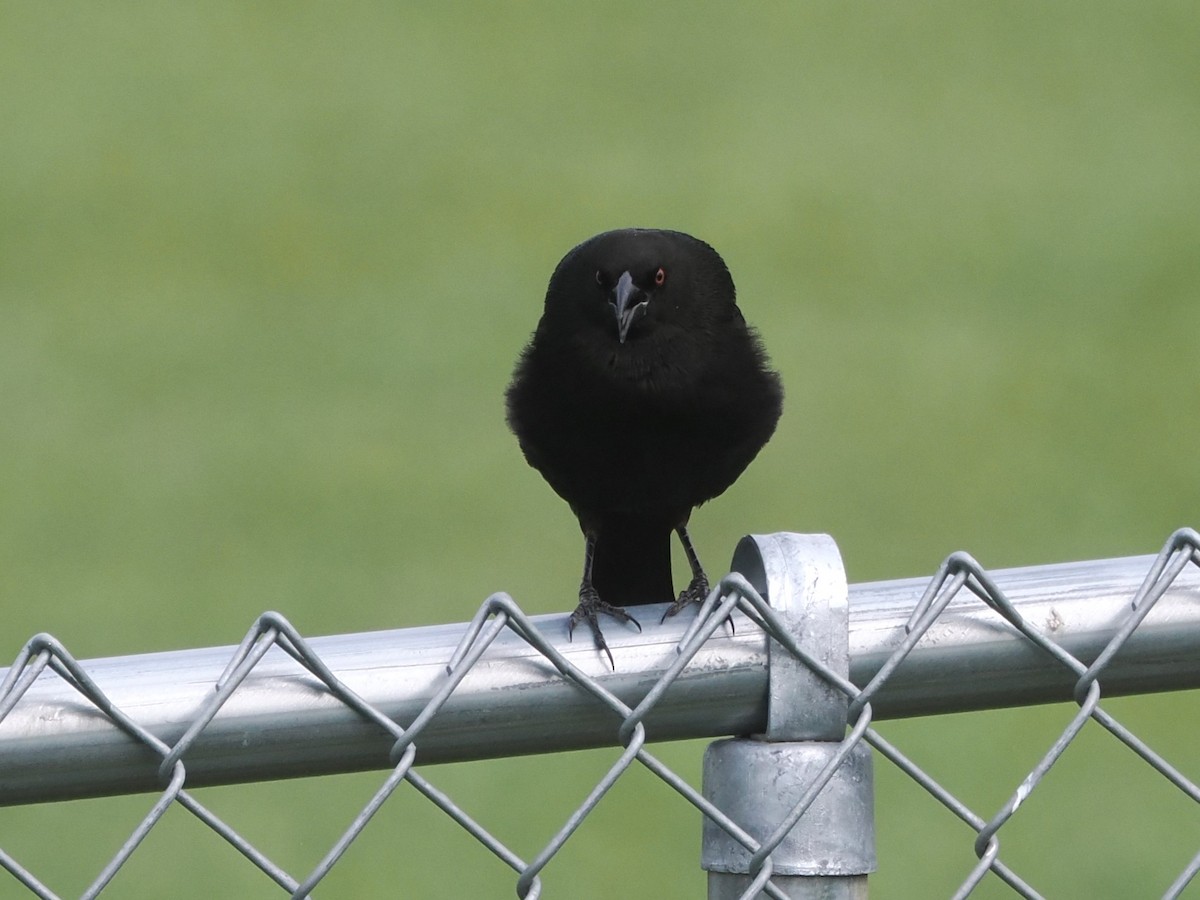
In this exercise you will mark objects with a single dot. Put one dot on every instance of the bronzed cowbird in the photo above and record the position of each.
(642, 394)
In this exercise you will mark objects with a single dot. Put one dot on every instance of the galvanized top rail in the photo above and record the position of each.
(281, 722)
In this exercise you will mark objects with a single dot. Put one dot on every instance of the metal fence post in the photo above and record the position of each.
(758, 780)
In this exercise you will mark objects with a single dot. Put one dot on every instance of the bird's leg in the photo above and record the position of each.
(697, 588)
(590, 604)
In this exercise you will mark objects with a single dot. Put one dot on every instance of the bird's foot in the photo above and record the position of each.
(693, 593)
(588, 610)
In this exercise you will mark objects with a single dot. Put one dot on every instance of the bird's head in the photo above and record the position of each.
(636, 283)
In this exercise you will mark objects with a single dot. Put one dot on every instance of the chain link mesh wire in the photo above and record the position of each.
(43, 655)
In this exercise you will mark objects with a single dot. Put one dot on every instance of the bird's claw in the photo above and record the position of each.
(694, 593)
(588, 610)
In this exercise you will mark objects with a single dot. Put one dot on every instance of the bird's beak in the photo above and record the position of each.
(629, 304)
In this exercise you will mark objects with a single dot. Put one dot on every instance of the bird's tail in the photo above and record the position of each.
(632, 562)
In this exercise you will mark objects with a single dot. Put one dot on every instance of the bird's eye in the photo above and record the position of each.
(660, 276)
(599, 278)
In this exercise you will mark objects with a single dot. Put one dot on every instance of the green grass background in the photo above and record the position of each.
(264, 270)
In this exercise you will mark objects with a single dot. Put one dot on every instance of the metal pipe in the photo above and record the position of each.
(55, 745)
(802, 791)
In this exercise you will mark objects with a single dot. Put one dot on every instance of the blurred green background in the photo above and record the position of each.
(264, 270)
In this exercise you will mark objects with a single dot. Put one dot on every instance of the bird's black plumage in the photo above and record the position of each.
(642, 394)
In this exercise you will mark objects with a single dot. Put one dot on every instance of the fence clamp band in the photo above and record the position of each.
(801, 576)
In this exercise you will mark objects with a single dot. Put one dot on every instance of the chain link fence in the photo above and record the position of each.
(781, 649)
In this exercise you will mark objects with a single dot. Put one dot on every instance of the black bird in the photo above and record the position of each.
(642, 394)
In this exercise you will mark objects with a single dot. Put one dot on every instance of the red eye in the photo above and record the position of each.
(660, 276)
